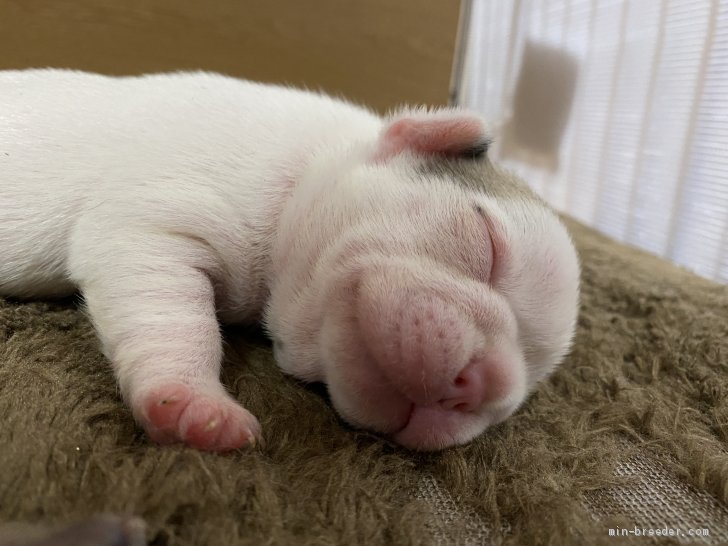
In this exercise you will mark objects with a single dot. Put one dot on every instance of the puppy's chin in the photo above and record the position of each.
(432, 429)
(419, 428)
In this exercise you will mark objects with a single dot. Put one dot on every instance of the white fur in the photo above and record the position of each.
(174, 201)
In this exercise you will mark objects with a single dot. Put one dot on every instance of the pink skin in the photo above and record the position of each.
(174, 412)
(414, 342)
(448, 136)
(180, 399)
(429, 366)
(389, 259)
(430, 309)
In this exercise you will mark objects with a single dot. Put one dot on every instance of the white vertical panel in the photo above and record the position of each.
(501, 14)
(594, 108)
(669, 131)
(536, 23)
(644, 156)
(474, 70)
(702, 218)
(578, 43)
(630, 101)
(487, 58)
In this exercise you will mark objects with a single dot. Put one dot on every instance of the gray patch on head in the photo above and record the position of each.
(479, 176)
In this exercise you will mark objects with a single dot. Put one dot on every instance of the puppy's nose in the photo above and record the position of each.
(420, 342)
(471, 388)
(468, 391)
(490, 376)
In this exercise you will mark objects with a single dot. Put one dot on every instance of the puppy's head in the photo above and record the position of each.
(428, 289)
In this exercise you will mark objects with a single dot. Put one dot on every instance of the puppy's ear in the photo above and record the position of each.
(447, 133)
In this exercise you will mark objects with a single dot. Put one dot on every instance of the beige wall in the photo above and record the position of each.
(380, 52)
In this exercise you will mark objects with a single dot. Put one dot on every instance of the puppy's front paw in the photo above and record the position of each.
(175, 412)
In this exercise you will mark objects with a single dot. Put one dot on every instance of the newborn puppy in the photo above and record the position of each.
(387, 258)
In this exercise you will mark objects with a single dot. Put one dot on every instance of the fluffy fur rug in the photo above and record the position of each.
(647, 375)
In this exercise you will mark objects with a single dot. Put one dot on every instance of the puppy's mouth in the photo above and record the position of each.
(406, 422)
(431, 428)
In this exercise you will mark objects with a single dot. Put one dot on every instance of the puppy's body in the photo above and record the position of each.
(85, 156)
(172, 201)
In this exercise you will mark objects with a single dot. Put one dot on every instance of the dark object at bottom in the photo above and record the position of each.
(99, 530)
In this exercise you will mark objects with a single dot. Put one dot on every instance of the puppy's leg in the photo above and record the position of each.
(153, 306)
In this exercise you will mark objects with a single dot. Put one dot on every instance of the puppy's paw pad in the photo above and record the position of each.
(163, 406)
(211, 422)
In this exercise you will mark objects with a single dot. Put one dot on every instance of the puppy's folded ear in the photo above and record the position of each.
(445, 132)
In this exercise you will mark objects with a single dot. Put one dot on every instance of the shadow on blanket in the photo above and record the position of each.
(647, 376)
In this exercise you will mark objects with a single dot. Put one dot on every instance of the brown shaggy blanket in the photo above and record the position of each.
(646, 382)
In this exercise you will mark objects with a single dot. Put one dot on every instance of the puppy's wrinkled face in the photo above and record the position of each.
(429, 292)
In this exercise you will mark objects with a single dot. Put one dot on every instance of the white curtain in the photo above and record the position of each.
(620, 118)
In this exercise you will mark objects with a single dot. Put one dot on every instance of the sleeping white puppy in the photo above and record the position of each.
(387, 258)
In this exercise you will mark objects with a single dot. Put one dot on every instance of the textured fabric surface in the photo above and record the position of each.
(647, 378)
(658, 500)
